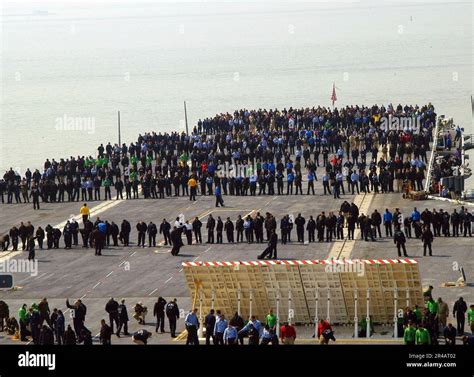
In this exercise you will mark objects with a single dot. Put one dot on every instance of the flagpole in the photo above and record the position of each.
(186, 118)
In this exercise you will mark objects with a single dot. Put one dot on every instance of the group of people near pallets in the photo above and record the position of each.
(42, 325)
(253, 228)
(425, 327)
(264, 148)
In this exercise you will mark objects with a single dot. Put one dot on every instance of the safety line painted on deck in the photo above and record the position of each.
(168, 279)
(95, 286)
(153, 291)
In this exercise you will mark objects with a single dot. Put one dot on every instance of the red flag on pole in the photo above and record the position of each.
(333, 97)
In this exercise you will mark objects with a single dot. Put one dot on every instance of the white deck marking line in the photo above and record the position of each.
(153, 291)
(133, 254)
(110, 273)
(168, 279)
(95, 286)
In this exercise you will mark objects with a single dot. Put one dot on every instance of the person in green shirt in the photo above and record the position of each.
(432, 306)
(409, 335)
(107, 183)
(470, 318)
(22, 318)
(271, 320)
(422, 336)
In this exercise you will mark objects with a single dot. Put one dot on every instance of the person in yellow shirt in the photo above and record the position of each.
(85, 212)
(192, 183)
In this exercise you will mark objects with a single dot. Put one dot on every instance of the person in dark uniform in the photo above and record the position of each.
(112, 309)
(152, 231)
(159, 313)
(85, 233)
(197, 225)
(219, 229)
(258, 227)
(331, 222)
(105, 333)
(79, 311)
(376, 220)
(31, 248)
(437, 221)
(35, 194)
(311, 228)
(74, 232)
(209, 323)
(300, 221)
(114, 232)
(273, 242)
(5, 242)
(176, 241)
(172, 312)
(467, 219)
(211, 223)
(141, 228)
(98, 238)
(23, 233)
(407, 223)
(459, 312)
(271, 249)
(56, 237)
(165, 228)
(119, 188)
(427, 238)
(284, 229)
(123, 319)
(239, 227)
(141, 337)
(229, 230)
(49, 236)
(399, 239)
(125, 229)
(67, 232)
(455, 222)
(320, 225)
(40, 237)
(351, 224)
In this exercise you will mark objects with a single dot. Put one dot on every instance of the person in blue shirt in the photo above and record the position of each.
(387, 221)
(253, 329)
(209, 182)
(310, 177)
(230, 335)
(415, 215)
(290, 178)
(218, 194)
(269, 336)
(355, 182)
(219, 328)
(192, 324)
